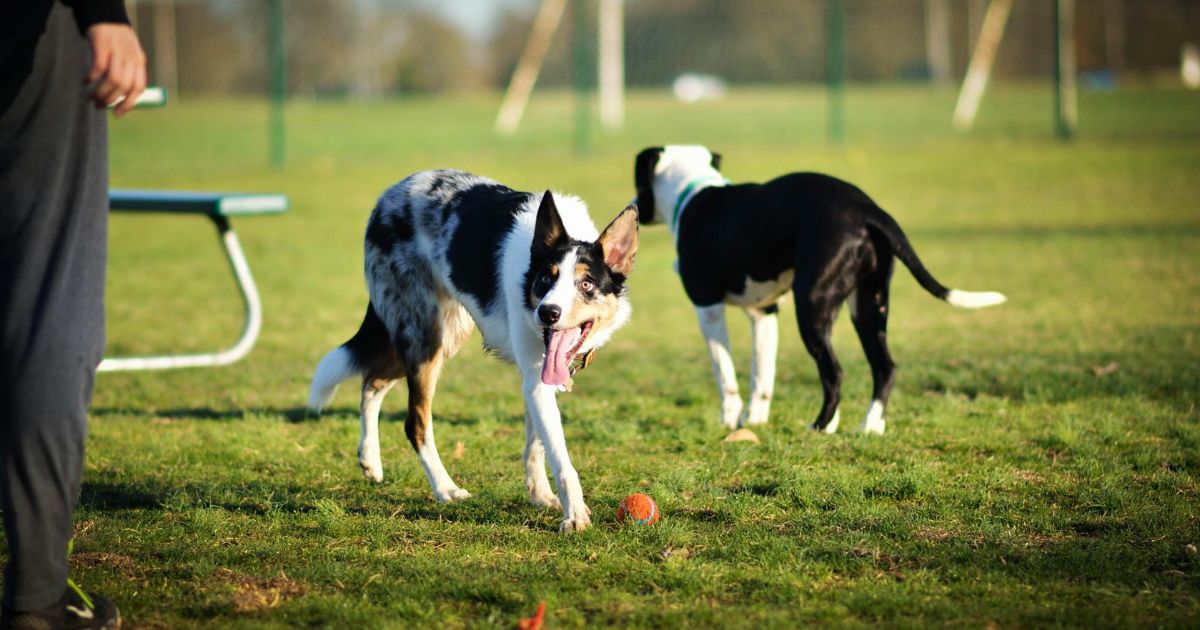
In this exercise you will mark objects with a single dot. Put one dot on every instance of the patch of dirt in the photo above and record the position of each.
(252, 594)
(1028, 476)
(935, 534)
(886, 563)
(1045, 540)
(124, 565)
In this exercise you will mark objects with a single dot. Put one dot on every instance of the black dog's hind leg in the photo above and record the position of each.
(819, 291)
(815, 318)
(869, 312)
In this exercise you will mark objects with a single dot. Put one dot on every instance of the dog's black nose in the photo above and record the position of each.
(549, 313)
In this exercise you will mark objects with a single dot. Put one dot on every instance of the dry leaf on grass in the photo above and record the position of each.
(1104, 370)
(742, 435)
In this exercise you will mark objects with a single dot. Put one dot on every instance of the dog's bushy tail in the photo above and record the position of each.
(885, 225)
(336, 367)
(347, 360)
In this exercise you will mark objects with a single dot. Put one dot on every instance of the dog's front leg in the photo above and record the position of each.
(765, 328)
(540, 492)
(542, 408)
(716, 336)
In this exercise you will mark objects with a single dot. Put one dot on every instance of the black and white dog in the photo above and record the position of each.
(445, 248)
(750, 244)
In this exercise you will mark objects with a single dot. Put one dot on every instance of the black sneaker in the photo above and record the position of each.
(75, 610)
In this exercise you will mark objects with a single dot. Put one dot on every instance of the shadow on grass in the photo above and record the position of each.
(290, 414)
(269, 499)
(259, 498)
(295, 415)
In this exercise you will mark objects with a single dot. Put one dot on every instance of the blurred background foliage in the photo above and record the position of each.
(370, 49)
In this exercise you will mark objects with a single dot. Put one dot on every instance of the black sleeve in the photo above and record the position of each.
(91, 12)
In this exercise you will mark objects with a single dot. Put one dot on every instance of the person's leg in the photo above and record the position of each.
(53, 223)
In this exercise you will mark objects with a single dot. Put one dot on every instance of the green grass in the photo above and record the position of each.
(1014, 487)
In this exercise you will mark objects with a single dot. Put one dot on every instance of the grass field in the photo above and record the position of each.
(1042, 461)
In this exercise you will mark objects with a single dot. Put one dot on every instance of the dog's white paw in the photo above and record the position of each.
(731, 410)
(830, 428)
(371, 464)
(577, 522)
(876, 427)
(756, 412)
(547, 500)
(452, 495)
(874, 423)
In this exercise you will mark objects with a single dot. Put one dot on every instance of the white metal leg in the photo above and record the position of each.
(245, 282)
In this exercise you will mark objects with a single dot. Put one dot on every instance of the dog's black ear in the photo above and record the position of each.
(716, 161)
(548, 230)
(620, 241)
(643, 179)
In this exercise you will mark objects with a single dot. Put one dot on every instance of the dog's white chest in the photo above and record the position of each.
(758, 294)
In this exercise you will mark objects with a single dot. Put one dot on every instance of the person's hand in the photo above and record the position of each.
(118, 74)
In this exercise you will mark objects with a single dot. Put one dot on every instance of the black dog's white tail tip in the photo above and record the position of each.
(336, 367)
(974, 299)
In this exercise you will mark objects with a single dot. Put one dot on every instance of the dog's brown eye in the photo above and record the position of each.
(546, 279)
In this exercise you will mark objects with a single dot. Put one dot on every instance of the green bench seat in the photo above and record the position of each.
(226, 205)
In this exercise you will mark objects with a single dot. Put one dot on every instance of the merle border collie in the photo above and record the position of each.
(748, 245)
(445, 250)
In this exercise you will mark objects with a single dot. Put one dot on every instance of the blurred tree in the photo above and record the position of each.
(320, 47)
(434, 56)
(368, 48)
(216, 51)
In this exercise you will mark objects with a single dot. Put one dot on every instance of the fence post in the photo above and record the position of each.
(1066, 101)
(584, 66)
(835, 69)
(611, 65)
(277, 69)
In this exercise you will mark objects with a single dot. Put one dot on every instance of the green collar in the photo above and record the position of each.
(688, 190)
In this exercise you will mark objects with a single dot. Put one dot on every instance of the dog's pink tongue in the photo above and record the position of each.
(556, 370)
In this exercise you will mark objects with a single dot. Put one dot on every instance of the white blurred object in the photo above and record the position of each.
(691, 87)
(1189, 65)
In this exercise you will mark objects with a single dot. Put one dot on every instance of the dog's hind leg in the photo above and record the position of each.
(830, 274)
(377, 382)
(451, 326)
(422, 380)
(816, 326)
(817, 303)
(716, 336)
(869, 312)
(371, 351)
(540, 492)
(764, 325)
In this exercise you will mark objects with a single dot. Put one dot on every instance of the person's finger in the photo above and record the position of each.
(102, 54)
(121, 75)
(127, 78)
(106, 91)
(115, 86)
(135, 90)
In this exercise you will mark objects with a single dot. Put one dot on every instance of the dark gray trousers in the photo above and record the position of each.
(53, 239)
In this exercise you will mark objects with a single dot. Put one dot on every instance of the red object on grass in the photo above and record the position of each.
(638, 509)
(534, 622)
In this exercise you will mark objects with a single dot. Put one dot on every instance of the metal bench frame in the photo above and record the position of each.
(219, 208)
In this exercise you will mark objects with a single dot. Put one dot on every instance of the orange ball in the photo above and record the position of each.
(638, 509)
